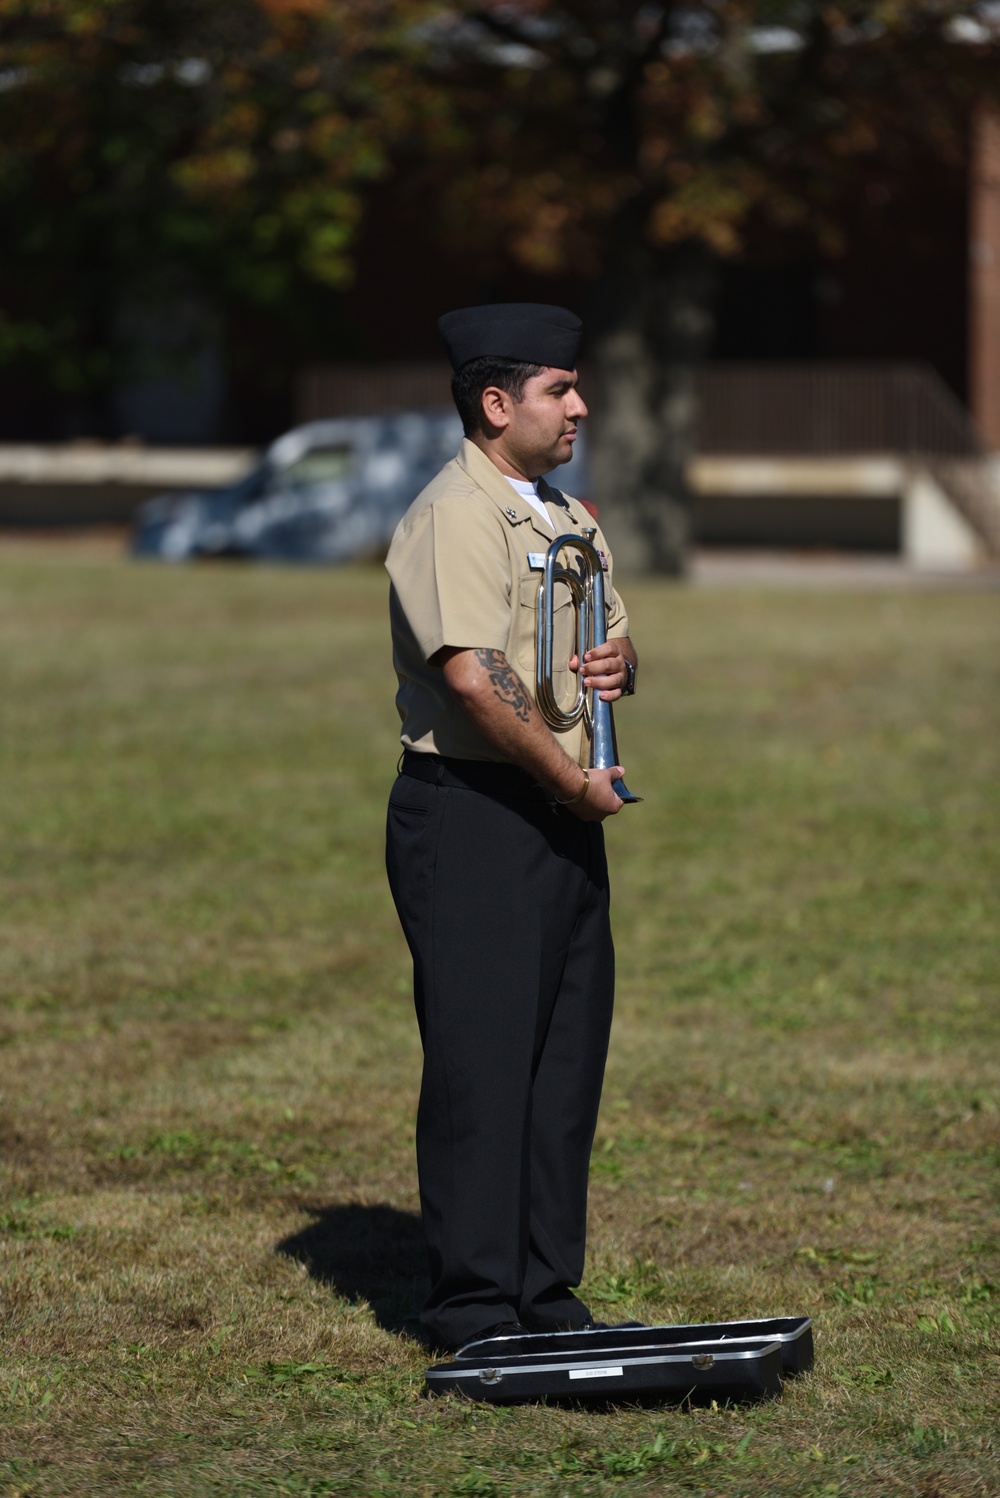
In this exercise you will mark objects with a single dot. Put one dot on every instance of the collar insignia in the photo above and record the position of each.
(510, 512)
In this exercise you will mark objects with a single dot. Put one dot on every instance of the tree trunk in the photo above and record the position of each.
(649, 331)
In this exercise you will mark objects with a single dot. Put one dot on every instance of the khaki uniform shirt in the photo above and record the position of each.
(461, 576)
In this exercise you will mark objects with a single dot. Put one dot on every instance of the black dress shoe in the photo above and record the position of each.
(501, 1329)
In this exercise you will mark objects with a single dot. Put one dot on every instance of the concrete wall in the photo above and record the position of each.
(842, 521)
(103, 484)
(864, 503)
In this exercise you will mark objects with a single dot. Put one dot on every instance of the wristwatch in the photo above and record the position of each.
(628, 690)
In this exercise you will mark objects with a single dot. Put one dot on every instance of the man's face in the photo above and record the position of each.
(542, 425)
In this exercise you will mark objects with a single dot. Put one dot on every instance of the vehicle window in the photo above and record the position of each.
(320, 465)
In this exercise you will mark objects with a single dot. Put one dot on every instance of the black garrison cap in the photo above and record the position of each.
(529, 331)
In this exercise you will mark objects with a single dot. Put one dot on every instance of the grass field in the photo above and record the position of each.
(209, 1065)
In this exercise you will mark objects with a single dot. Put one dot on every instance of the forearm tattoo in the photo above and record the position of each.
(506, 683)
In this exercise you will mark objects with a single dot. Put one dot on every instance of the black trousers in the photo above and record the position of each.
(504, 904)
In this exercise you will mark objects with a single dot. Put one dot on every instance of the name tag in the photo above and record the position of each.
(536, 561)
(596, 1372)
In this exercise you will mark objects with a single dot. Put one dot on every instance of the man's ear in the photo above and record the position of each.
(495, 407)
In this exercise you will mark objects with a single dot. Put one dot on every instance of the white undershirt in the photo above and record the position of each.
(528, 489)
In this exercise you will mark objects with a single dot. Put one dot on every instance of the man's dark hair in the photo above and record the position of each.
(476, 375)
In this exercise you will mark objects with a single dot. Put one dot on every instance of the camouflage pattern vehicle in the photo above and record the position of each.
(329, 491)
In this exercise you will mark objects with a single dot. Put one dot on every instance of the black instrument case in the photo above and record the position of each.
(735, 1361)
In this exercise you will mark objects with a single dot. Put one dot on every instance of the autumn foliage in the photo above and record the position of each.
(228, 151)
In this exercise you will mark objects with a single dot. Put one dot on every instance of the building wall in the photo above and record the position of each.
(896, 291)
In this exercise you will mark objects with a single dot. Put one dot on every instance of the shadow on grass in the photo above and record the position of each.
(373, 1254)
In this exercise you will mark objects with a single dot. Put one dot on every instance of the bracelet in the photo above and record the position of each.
(580, 794)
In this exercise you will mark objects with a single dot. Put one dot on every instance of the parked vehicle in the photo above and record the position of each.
(325, 492)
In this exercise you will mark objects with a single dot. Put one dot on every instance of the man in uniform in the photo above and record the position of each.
(495, 851)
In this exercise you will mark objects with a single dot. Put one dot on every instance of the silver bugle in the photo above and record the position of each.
(586, 591)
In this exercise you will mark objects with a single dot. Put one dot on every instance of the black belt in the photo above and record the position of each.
(472, 775)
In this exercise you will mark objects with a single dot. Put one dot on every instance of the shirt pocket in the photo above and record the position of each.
(563, 636)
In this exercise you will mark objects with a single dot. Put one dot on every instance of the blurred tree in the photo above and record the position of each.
(641, 143)
(157, 159)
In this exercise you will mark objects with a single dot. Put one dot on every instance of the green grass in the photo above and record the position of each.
(208, 1062)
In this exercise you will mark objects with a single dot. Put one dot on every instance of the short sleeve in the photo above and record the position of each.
(617, 617)
(452, 576)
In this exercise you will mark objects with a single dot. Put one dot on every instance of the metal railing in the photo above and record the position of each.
(747, 410)
(328, 390)
(786, 409)
(773, 408)
(829, 410)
